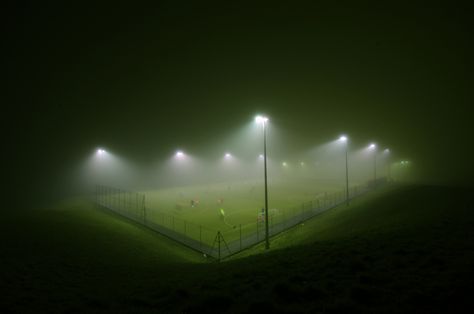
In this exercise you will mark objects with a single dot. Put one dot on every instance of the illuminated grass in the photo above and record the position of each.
(242, 202)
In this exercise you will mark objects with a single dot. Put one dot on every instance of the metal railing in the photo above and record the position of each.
(214, 243)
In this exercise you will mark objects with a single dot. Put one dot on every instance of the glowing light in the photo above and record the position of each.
(101, 151)
(343, 138)
(284, 164)
(261, 119)
(179, 154)
(227, 155)
(260, 156)
(372, 146)
(386, 150)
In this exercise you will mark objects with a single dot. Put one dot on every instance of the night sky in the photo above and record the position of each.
(144, 80)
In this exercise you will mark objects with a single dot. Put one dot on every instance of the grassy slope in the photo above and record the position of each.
(398, 250)
(78, 258)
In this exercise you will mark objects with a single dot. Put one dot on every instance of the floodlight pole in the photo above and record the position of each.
(375, 164)
(389, 169)
(387, 162)
(347, 177)
(267, 237)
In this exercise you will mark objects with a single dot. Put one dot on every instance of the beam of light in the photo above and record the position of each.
(261, 119)
(343, 138)
(179, 154)
(372, 146)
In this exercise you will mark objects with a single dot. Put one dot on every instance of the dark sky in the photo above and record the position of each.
(141, 80)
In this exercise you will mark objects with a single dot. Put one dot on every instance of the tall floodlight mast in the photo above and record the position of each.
(374, 148)
(344, 139)
(263, 121)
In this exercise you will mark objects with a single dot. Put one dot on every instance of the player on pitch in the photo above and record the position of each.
(222, 212)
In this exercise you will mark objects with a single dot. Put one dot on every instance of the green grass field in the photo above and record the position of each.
(187, 208)
(401, 249)
(242, 201)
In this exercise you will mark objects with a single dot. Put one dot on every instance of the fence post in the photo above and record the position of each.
(144, 209)
(219, 246)
(271, 225)
(120, 205)
(136, 202)
(257, 229)
(240, 236)
(121, 200)
(117, 199)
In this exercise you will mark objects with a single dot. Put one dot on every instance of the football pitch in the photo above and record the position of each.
(231, 206)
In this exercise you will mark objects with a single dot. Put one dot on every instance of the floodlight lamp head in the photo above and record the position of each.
(343, 138)
(179, 154)
(100, 151)
(372, 146)
(261, 119)
(227, 155)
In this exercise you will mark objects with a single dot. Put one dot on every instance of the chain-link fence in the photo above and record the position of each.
(126, 203)
(241, 238)
(132, 205)
(215, 243)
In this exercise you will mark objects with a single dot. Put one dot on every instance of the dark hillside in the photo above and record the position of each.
(406, 249)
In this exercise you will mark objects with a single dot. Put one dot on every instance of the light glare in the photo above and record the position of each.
(261, 119)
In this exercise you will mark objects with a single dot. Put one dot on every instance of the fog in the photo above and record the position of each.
(143, 83)
(238, 157)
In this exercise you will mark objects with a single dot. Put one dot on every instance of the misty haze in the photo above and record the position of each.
(250, 157)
